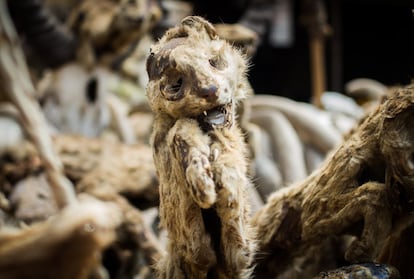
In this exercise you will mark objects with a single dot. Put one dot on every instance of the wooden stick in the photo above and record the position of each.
(317, 57)
(316, 21)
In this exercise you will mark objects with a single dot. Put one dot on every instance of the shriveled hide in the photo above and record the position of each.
(196, 81)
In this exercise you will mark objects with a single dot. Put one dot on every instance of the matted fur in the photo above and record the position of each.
(362, 189)
(109, 30)
(196, 80)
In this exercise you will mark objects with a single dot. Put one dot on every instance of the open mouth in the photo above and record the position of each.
(218, 117)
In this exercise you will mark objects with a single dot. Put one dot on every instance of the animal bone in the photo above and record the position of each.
(287, 148)
(303, 118)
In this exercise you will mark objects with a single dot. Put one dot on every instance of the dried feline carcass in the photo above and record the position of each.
(196, 81)
(363, 189)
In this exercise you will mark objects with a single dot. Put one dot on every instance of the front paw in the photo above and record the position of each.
(201, 182)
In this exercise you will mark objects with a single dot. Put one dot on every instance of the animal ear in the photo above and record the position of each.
(151, 71)
(200, 25)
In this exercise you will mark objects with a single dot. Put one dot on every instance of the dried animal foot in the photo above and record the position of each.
(199, 176)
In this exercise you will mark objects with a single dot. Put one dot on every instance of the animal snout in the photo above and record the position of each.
(209, 92)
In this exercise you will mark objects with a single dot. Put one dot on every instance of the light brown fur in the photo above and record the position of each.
(200, 157)
(361, 190)
(109, 30)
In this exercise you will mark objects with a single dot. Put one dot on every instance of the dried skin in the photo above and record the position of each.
(114, 173)
(108, 30)
(32, 199)
(361, 189)
(109, 171)
(66, 246)
(195, 83)
(94, 165)
(99, 166)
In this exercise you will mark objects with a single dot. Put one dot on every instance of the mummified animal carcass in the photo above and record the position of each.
(363, 189)
(196, 81)
(69, 245)
(109, 31)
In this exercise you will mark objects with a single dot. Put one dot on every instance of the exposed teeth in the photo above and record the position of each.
(216, 117)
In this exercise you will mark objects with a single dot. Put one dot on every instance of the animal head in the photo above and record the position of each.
(192, 73)
(102, 20)
(133, 14)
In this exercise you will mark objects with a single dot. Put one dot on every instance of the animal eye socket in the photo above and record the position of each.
(173, 90)
(175, 86)
(218, 63)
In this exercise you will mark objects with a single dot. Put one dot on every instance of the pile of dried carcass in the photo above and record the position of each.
(80, 191)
